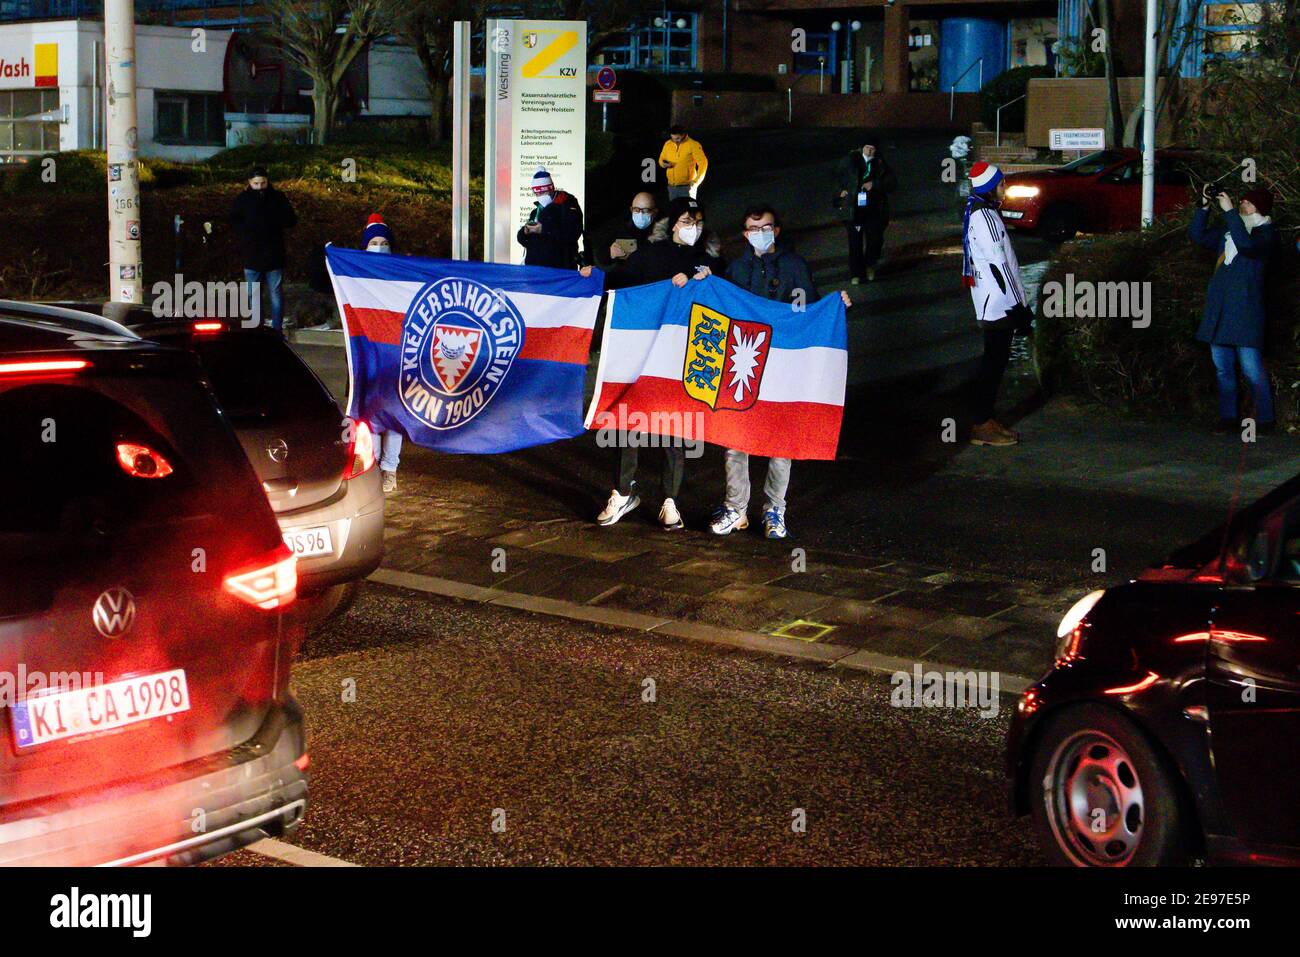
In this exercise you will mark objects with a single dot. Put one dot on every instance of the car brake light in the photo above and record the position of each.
(303, 763)
(43, 366)
(141, 461)
(209, 326)
(270, 583)
(361, 454)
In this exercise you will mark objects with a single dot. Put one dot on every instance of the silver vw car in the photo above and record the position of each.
(318, 468)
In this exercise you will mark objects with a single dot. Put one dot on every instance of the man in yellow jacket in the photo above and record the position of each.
(685, 162)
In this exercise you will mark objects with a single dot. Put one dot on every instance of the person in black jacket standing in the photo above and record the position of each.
(866, 181)
(680, 249)
(550, 237)
(260, 215)
(772, 270)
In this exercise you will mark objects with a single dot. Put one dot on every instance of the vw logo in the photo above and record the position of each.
(278, 450)
(114, 612)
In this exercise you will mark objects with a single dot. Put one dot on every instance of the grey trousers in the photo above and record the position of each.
(774, 486)
(677, 192)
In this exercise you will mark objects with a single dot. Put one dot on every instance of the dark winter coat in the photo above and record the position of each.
(259, 218)
(853, 173)
(1234, 300)
(626, 229)
(775, 276)
(557, 244)
(661, 258)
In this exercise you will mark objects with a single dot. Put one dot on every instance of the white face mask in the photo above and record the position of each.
(378, 246)
(544, 199)
(640, 220)
(761, 241)
(689, 234)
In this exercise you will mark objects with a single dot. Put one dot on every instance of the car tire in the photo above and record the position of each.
(320, 609)
(1059, 223)
(1091, 759)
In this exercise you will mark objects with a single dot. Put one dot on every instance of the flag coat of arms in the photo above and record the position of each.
(464, 356)
(711, 361)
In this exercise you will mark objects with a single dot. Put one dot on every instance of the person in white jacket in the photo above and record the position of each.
(990, 269)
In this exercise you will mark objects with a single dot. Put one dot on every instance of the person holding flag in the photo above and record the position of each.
(378, 238)
(680, 249)
(772, 270)
(990, 269)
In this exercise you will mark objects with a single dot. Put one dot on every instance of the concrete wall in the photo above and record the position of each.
(728, 110)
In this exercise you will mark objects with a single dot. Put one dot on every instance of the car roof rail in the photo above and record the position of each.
(68, 318)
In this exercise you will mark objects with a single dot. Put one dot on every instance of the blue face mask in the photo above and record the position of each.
(641, 220)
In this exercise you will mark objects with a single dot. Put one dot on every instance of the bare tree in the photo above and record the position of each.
(426, 27)
(323, 37)
(1114, 113)
(1171, 27)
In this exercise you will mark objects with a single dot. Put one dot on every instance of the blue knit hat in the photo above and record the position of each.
(376, 228)
(542, 181)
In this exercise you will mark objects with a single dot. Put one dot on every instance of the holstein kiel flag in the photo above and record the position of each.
(463, 356)
(725, 366)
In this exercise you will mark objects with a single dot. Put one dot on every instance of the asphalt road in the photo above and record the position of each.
(461, 710)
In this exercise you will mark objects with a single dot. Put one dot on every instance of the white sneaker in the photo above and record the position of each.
(727, 520)
(669, 517)
(617, 506)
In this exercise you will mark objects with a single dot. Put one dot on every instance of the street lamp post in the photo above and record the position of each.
(1149, 119)
(126, 284)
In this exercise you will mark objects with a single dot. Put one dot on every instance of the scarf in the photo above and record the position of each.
(967, 267)
(1250, 222)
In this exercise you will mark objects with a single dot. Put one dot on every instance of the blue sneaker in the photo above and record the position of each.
(727, 520)
(774, 523)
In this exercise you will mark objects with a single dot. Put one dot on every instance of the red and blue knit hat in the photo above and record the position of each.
(376, 228)
(984, 178)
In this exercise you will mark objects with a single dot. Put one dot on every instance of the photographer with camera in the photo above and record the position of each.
(1233, 320)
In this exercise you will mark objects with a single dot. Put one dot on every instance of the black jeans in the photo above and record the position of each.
(993, 364)
(865, 243)
(674, 466)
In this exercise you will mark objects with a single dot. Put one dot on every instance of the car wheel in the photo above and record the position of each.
(320, 609)
(1058, 224)
(1105, 798)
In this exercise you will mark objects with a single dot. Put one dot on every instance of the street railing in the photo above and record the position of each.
(998, 141)
(952, 89)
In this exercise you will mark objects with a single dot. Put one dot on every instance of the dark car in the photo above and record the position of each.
(1097, 193)
(144, 642)
(316, 466)
(1168, 729)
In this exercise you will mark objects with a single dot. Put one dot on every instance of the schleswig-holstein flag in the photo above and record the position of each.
(464, 356)
(722, 365)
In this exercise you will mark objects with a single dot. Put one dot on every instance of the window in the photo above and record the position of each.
(29, 124)
(189, 119)
(820, 56)
(647, 46)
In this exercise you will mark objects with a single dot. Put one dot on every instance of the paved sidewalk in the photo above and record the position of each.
(468, 535)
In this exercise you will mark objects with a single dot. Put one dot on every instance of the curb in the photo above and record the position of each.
(315, 337)
(838, 656)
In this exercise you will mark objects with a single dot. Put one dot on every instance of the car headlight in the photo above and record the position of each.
(1065, 631)
(1022, 192)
